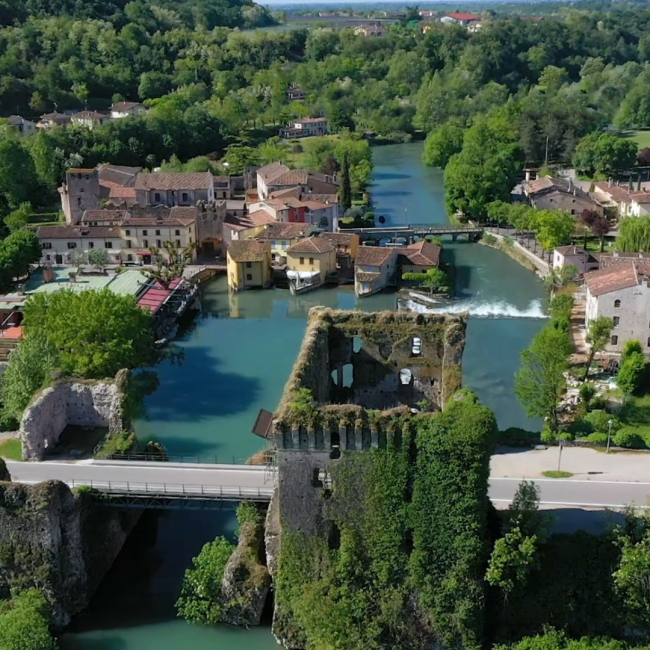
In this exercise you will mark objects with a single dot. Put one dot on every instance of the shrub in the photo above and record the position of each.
(247, 513)
(629, 438)
(587, 392)
(598, 403)
(600, 420)
(548, 437)
(631, 372)
(630, 347)
(489, 239)
(509, 241)
(121, 442)
(8, 422)
(597, 438)
(24, 623)
(561, 307)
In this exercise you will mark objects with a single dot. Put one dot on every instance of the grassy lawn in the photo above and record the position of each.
(635, 416)
(299, 160)
(553, 473)
(641, 137)
(11, 449)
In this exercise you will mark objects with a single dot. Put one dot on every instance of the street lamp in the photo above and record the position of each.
(609, 433)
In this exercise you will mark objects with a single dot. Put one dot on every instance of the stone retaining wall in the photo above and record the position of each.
(96, 404)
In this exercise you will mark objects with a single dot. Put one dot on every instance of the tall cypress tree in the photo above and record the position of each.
(345, 190)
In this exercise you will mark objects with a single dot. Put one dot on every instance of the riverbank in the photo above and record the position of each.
(513, 249)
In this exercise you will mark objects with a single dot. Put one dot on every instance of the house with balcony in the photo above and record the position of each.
(375, 269)
(309, 264)
(173, 188)
(282, 236)
(249, 264)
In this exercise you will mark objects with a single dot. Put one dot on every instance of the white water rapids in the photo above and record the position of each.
(479, 309)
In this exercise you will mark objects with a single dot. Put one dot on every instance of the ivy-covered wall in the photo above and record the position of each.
(385, 548)
(59, 542)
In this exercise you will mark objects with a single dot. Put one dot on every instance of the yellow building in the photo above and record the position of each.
(309, 261)
(284, 235)
(347, 244)
(249, 264)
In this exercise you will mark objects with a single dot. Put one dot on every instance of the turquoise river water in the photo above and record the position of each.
(237, 357)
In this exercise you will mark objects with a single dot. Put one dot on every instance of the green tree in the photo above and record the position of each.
(17, 173)
(19, 217)
(540, 381)
(96, 332)
(598, 334)
(634, 235)
(513, 558)
(554, 228)
(560, 278)
(630, 347)
(442, 144)
(632, 578)
(30, 366)
(345, 189)
(631, 372)
(201, 596)
(24, 623)
(98, 257)
(604, 153)
(170, 261)
(18, 252)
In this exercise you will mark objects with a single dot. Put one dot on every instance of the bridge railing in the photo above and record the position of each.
(176, 491)
(205, 459)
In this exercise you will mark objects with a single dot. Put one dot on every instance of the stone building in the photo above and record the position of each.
(621, 292)
(80, 192)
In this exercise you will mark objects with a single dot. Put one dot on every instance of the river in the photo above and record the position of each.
(237, 357)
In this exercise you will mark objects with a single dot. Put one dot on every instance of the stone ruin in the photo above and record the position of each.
(358, 366)
(85, 404)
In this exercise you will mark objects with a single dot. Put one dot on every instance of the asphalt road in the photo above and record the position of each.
(251, 482)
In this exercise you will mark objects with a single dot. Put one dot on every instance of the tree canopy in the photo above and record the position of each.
(97, 333)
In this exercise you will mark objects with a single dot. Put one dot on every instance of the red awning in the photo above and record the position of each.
(154, 297)
(143, 253)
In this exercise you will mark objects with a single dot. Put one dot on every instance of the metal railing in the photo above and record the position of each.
(176, 491)
(205, 459)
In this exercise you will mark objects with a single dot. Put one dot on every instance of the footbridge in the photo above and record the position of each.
(174, 485)
(409, 232)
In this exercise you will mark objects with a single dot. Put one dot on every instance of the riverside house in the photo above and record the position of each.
(419, 258)
(249, 264)
(309, 262)
(374, 269)
(284, 235)
(621, 292)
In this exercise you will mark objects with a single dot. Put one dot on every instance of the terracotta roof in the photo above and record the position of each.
(640, 197)
(373, 255)
(340, 238)
(174, 181)
(310, 120)
(281, 230)
(251, 220)
(272, 170)
(122, 193)
(89, 115)
(311, 245)
(55, 117)
(123, 107)
(291, 177)
(615, 278)
(366, 276)
(104, 215)
(423, 253)
(464, 16)
(183, 212)
(290, 192)
(118, 175)
(167, 222)
(75, 232)
(247, 250)
(617, 192)
(607, 260)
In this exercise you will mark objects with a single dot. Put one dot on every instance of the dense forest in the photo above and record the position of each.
(553, 81)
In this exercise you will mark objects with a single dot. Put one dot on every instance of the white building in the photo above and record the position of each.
(89, 119)
(21, 125)
(576, 256)
(621, 292)
(127, 109)
(60, 243)
(305, 128)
